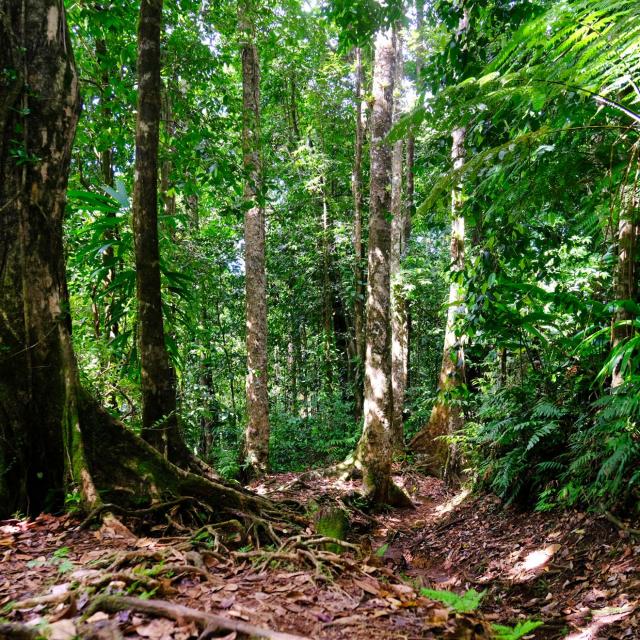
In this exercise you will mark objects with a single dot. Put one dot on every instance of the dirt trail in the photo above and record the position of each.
(577, 573)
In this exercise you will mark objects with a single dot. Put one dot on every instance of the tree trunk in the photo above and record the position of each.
(446, 418)
(399, 330)
(374, 449)
(159, 419)
(326, 242)
(38, 379)
(256, 447)
(358, 307)
(626, 281)
(168, 197)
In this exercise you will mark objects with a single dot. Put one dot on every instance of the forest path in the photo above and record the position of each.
(576, 572)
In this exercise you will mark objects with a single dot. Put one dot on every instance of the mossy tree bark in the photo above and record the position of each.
(38, 378)
(54, 439)
(256, 447)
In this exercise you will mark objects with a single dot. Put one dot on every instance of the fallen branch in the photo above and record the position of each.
(113, 604)
(30, 603)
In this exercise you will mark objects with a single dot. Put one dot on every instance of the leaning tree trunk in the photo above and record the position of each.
(446, 417)
(374, 449)
(159, 419)
(399, 329)
(256, 447)
(358, 274)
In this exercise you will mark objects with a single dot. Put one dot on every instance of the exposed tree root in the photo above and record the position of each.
(134, 513)
(130, 478)
(209, 621)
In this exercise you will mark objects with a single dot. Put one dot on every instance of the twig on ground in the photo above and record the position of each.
(621, 525)
(113, 604)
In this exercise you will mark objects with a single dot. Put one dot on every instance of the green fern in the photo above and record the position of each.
(466, 603)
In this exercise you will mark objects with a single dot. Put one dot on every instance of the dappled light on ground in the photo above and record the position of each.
(602, 619)
(450, 505)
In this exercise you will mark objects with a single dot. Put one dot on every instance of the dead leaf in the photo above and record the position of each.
(158, 629)
(62, 630)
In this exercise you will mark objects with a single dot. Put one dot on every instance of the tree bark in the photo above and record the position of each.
(626, 280)
(326, 242)
(374, 449)
(159, 419)
(38, 379)
(399, 328)
(358, 274)
(256, 447)
(446, 418)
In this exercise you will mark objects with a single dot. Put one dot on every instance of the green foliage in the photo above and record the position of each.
(466, 603)
(470, 601)
(521, 629)
(546, 91)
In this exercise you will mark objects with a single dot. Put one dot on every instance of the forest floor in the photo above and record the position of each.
(577, 573)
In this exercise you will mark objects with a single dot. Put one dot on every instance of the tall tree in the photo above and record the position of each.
(55, 440)
(627, 268)
(38, 381)
(446, 416)
(159, 419)
(399, 320)
(358, 273)
(374, 450)
(256, 447)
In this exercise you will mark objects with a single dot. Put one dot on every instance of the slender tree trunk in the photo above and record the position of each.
(399, 330)
(358, 274)
(168, 198)
(109, 260)
(256, 449)
(374, 449)
(446, 418)
(327, 293)
(626, 280)
(159, 419)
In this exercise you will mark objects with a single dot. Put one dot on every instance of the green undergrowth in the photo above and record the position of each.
(470, 601)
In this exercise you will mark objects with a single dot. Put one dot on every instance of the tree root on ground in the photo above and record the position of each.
(119, 474)
(208, 621)
(310, 550)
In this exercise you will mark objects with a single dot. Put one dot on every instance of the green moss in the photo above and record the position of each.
(332, 522)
